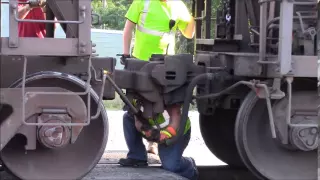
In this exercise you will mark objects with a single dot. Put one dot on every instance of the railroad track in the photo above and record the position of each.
(108, 169)
(114, 172)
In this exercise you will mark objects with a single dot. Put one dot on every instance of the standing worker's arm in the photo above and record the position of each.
(189, 30)
(132, 19)
(186, 22)
(127, 36)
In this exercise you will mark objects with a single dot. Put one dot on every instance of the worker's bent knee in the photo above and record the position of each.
(172, 165)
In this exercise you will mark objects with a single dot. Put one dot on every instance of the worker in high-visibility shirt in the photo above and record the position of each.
(156, 22)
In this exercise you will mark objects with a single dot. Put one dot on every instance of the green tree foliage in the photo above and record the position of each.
(112, 15)
(184, 45)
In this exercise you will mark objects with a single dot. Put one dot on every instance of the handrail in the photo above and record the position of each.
(82, 15)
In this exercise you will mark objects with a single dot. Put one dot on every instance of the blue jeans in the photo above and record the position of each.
(171, 156)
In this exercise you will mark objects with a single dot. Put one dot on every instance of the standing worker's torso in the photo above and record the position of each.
(154, 15)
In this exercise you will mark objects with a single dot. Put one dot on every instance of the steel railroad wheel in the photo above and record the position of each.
(217, 131)
(72, 162)
(262, 154)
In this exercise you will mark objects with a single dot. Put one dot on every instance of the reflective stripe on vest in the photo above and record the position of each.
(141, 27)
(163, 125)
(160, 121)
(153, 32)
(145, 12)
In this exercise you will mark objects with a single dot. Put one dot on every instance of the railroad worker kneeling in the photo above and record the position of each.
(156, 22)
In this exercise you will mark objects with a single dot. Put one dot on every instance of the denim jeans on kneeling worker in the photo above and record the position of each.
(171, 156)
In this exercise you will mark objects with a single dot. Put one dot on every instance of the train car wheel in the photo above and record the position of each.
(71, 162)
(217, 131)
(262, 154)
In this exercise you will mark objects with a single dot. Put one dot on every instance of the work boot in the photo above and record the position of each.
(152, 148)
(132, 162)
(196, 176)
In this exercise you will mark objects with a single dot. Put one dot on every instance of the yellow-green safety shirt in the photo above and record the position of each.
(152, 19)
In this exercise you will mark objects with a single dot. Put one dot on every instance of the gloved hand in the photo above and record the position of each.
(152, 135)
(167, 133)
(123, 58)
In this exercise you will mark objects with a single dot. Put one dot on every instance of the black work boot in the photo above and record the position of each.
(132, 162)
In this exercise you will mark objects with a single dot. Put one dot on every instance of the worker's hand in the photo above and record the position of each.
(152, 135)
(167, 133)
(123, 58)
(37, 3)
(42, 3)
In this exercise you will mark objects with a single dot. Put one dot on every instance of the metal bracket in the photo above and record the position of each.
(34, 93)
(255, 86)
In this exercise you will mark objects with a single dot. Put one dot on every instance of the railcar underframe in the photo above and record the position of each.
(258, 110)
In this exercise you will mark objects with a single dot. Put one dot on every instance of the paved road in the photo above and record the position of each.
(120, 173)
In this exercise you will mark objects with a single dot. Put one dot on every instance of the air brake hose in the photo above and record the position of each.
(186, 105)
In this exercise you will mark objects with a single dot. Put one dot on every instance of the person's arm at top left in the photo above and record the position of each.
(186, 23)
(24, 9)
(132, 17)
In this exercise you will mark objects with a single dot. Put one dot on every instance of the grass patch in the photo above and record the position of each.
(115, 104)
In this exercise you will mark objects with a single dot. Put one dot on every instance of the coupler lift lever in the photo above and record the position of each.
(136, 112)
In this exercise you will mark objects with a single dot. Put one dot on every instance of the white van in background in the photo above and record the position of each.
(108, 42)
